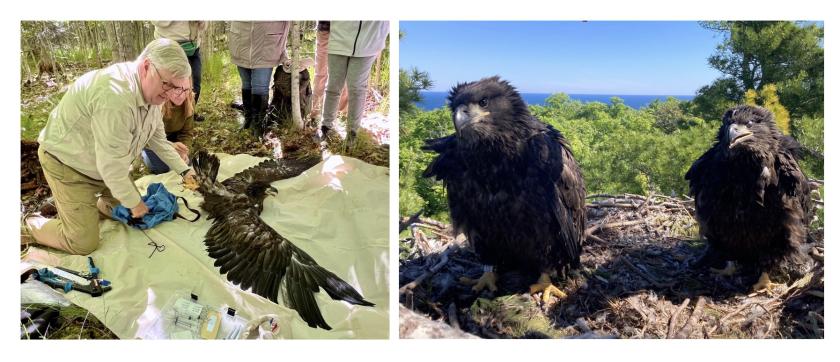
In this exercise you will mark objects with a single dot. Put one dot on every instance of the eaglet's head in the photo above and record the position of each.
(259, 190)
(487, 106)
(747, 129)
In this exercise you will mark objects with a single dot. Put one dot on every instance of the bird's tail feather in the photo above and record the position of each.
(206, 166)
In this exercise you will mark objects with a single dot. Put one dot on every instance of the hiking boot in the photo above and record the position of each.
(351, 140)
(329, 134)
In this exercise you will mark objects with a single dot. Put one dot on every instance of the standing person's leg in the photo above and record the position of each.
(342, 101)
(260, 81)
(76, 228)
(245, 77)
(358, 73)
(195, 64)
(338, 75)
(321, 59)
(154, 163)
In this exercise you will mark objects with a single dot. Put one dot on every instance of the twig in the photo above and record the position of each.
(611, 225)
(745, 305)
(581, 324)
(692, 320)
(596, 239)
(672, 324)
(408, 221)
(444, 258)
(434, 223)
(453, 316)
(83, 325)
(646, 203)
(645, 275)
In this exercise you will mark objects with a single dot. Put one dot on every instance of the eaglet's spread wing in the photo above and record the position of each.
(253, 255)
(269, 171)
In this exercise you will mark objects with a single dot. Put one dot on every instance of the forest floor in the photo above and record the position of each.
(219, 132)
(635, 281)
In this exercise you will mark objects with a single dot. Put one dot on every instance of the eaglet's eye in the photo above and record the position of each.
(483, 102)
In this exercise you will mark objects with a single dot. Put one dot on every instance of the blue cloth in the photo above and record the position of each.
(162, 207)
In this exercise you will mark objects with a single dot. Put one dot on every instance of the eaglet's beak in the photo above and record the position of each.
(271, 191)
(738, 133)
(466, 114)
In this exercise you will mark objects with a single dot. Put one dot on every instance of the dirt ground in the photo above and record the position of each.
(636, 281)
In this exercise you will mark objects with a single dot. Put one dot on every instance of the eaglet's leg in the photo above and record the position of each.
(763, 283)
(544, 285)
(487, 280)
(728, 271)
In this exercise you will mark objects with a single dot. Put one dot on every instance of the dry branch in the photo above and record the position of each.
(444, 258)
(672, 324)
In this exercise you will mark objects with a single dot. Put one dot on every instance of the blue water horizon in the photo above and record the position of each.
(434, 100)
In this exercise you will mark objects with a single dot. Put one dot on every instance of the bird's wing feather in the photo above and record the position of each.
(557, 165)
(252, 254)
(446, 164)
(269, 171)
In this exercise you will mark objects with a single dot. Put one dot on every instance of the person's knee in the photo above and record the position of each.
(83, 243)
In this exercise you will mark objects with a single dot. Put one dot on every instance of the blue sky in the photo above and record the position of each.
(610, 57)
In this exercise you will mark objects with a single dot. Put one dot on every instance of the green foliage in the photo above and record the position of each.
(671, 115)
(769, 99)
(757, 53)
(712, 100)
(35, 110)
(411, 83)
(416, 192)
(621, 149)
(810, 132)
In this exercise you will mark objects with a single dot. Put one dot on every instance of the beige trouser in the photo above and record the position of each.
(354, 72)
(80, 200)
(321, 75)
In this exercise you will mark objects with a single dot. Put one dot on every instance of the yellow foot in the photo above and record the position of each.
(547, 289)
(729, 271)
(763, 283)
(191, 184)
(487, 280)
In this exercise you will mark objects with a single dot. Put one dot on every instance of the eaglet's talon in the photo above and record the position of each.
(763, 283)
(547, 289)
(728, 271)
(487, 280)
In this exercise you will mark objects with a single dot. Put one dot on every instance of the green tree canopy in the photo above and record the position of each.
(756, 53)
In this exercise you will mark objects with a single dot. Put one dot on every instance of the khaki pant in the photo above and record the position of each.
(79, 200)
(321, 75)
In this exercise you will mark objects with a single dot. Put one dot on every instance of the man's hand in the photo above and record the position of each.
(182, 150)
(190, 181)
(139, 210)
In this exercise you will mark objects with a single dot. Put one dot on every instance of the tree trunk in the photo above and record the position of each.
(95, 39)
(297, 121)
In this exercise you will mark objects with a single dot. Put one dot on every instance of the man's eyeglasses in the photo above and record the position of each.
(169, 87)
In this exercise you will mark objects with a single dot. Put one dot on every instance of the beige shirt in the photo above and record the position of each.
(258, 44)
(180, 31)
(102, 124)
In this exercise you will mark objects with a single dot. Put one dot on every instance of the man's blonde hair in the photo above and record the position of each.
(167, 54)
